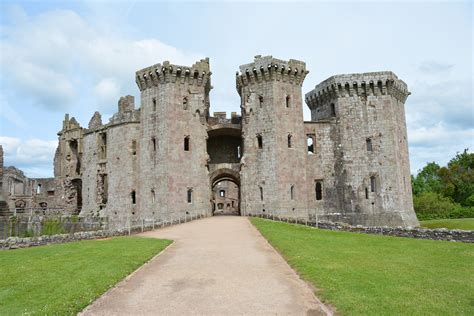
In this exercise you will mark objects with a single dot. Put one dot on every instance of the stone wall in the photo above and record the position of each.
(421, 233)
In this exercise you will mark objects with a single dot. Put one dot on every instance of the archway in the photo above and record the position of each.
(225, 192)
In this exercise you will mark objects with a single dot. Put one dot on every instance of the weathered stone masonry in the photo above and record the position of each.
(169, 157)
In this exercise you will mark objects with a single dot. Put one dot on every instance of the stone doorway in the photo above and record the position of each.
(226, 197)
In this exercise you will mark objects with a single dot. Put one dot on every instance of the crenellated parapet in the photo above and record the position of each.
(365, 84)
(271, 69)
(198, 74)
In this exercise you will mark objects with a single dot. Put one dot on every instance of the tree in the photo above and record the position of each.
(427, 180)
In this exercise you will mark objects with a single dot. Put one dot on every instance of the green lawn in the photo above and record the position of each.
(363, 274)
(65, 278)
(459, 223)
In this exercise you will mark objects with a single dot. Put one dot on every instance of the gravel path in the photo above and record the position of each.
(216, 266)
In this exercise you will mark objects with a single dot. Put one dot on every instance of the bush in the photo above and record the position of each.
(53, 227)
(430, 205)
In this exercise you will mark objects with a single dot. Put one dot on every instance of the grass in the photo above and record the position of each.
(460, 223)
(363, 274)
(63, 279)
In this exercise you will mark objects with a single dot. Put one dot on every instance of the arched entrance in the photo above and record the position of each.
(225, 192)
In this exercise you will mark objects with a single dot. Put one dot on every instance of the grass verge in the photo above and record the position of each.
(363, 274)
(460, 223)
(63, 279)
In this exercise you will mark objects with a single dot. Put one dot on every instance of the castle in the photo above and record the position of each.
(171, 157)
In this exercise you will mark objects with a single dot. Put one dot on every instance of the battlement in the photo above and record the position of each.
(198, 74)
(364, 84)
(221, 118)
(268, 68)
(70, 123)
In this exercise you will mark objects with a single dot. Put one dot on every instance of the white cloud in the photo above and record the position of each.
(33, 156)
(52, 56)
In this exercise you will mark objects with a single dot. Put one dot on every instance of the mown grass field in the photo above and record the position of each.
(63, 279)
(361, 274)
(459, 223)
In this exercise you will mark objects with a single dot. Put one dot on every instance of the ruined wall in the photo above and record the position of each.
(273, 177)
(175, 105)
(368, 131)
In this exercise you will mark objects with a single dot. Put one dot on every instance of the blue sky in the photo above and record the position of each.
(78, 57)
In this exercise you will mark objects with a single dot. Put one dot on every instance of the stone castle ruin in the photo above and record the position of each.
(171, 157)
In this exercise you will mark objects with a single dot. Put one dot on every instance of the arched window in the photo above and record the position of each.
(319, 190)
(260, 141)
(368, 143)
(287, 101)
(153, 196)
(333, 109)
(222, 193)
(310, 144)
(38, 189)
(186, 143)
(261, 193)
(289, 140)
(292, 192)
(133, 196)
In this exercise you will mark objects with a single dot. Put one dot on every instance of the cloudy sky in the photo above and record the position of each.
(78, 57)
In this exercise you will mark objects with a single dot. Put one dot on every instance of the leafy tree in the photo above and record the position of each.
(458, 178)
(428, 179)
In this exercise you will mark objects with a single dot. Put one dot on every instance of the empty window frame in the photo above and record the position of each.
(368, 143)
(190, 195)
(366, 193)
(222, 193)
(238, 152)
(287, 101)
(133, 196)
(134, 147)
(38, 189)
(153, 144)
(261, 193)
(373, 184)
(310, 144)
(333, 109)
(186, 143)
(289, 140)
(153, 196)
(259, 141)
(319, 190)
(292, 192)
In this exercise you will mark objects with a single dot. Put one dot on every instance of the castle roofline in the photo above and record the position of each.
(369, 83)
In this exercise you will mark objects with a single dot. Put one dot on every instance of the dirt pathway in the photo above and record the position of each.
(217, 266)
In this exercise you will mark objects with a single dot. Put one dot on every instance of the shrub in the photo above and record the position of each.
(431, 205)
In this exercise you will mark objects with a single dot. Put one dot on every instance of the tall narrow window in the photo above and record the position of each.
(103, 145)
(310, 144)
(153, 196)
(154, 104)
(222, 193)
(287, 101)
(153, 144)
(190, 195)
(186, 143)
(289, 140)
(373, 184)
(133, 195)
(134, 147)
(260, 100)
(368, 143)
(260, 141)
(319, 190)
(185, 103)
(38, 189)
(238, 152)
(261, 193)
(366, 193)
(292, 192)
(333, 110)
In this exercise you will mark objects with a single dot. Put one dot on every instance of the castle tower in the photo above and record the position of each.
(273, 176)
(370, 184)
(173, 159)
